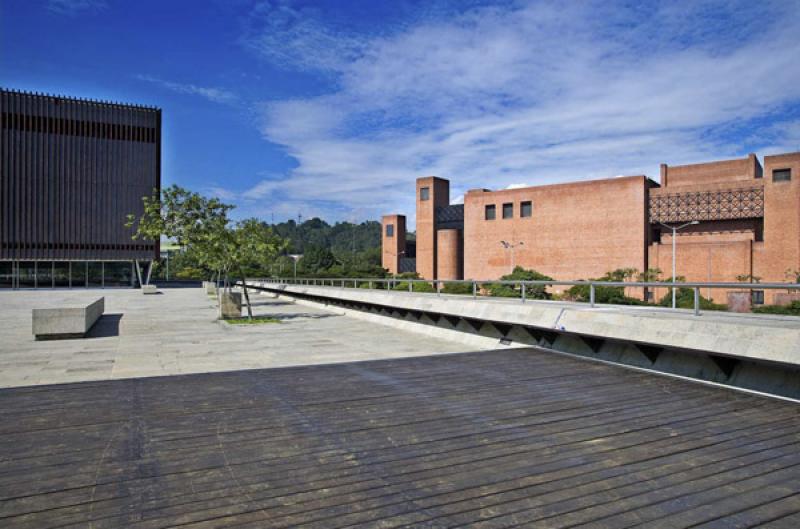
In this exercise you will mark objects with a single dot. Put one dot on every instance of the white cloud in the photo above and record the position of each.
(535, 93)
(216, 95)
(296, 38)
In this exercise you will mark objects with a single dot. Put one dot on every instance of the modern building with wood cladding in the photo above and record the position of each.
(746, 223)
(71, 171)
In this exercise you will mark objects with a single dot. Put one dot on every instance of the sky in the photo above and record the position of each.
(294, 109)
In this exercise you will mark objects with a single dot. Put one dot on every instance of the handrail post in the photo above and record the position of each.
(370, 284)
(523, 292)
(474, 290)
(591, 294)
(696, 301)
(438, 288)
(410, 285)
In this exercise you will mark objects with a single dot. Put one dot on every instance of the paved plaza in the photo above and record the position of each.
(176, 332)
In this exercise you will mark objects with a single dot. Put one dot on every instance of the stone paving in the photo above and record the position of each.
(176, 332)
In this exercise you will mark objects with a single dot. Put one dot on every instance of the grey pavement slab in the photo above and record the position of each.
(176, 332)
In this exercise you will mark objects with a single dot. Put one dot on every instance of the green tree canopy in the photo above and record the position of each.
(316, 259)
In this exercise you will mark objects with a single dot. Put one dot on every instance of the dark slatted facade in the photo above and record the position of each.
(72, 170)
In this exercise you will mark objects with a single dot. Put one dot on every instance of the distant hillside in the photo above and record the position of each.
(340, 238)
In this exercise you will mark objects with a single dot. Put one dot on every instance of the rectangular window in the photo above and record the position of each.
(390, 230)
(781, 175)
(526, 209)
(758, 297)
(491, 212)
(508, 210)
(424, 193)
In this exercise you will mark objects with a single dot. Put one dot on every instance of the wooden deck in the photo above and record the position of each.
(519, 438)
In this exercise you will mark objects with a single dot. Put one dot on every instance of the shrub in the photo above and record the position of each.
(792, 309)
(514, 291)
(457, 288)
(417, 287)
(502, 291)
(684, 299)
(608, 295)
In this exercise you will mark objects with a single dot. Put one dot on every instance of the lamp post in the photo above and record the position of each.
(295, 257)
(509, 246)
(674, 237)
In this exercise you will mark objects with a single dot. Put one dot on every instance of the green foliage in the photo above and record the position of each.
(748, 278)
(179, 214)
(189, 272)
(202, 228)
(684, 299)
(342, 238)
(649, 276)
(251, 321)
(457, 288)
(793, 309)
(355, 248)
(252, 243)
(316, 259)
(416, 286)
(609, 295)
(520, 274)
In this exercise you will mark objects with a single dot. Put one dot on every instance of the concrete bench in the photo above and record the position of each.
(149, 289)
(73, 322)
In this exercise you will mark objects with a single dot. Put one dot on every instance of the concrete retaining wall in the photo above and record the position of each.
(753, 337)
(759, 354)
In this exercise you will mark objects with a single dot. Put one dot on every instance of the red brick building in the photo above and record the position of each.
(747, 224)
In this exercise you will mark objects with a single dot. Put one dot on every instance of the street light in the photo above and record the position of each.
(295, 257)
(509, 246)
(674, 237)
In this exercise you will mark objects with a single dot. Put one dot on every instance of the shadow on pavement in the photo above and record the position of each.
(107, 326)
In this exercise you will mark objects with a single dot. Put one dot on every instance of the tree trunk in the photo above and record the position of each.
(246, 295)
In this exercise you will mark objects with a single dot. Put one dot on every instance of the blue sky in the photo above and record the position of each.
(332, 109)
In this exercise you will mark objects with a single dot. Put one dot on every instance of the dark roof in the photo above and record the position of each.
(83, 100)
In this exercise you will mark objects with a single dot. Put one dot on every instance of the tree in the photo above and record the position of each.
(317, 258)
(201, 226)
(190, 219)
(250, 241)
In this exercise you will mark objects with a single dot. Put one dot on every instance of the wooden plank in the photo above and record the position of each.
(491, 439)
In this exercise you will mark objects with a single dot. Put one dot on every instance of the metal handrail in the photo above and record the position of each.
(353, 282)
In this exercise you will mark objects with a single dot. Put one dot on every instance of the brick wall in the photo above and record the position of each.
(438, 195)
(449, 255)
(781, 250)
(741, 169)
(394, 246)
(578, 230)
